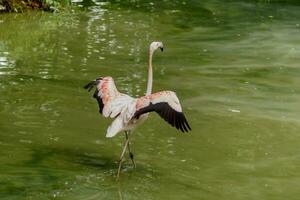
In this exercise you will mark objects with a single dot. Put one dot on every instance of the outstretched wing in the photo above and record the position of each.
(167, 105)
(110, 100)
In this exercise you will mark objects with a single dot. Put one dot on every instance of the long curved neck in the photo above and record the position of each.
(150, 74)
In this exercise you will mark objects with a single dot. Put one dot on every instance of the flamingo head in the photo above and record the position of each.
(156, 45)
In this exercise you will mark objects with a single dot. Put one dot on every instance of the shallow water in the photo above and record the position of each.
(234, 66)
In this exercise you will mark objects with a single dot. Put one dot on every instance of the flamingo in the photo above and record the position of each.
(129, 112)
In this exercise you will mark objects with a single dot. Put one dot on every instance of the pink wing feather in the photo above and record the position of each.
(167, 105)
(110, 100)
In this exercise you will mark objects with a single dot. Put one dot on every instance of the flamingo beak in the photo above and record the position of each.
(161, 48)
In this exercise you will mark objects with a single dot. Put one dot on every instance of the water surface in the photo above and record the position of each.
(234, 66)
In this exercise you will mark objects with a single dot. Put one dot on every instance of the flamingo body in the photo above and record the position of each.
(129, 112)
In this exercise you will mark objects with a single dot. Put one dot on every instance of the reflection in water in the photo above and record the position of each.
(6, 64)
(235, 65)
(3, 61)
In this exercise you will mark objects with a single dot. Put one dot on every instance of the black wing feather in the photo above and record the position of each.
(170, 115)
(89, 87)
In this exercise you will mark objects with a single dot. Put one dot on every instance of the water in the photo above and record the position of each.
(234, 66)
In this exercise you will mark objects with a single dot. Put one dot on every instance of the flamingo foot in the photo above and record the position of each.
(121, 159)
(132, 160)
(119, 168)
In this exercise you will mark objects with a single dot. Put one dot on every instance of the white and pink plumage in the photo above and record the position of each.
(129, 112)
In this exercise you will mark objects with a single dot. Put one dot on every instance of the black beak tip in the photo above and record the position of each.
(162, 49)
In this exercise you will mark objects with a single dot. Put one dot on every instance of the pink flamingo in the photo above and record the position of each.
(129, 112)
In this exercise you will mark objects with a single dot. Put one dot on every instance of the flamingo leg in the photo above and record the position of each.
(121, 158)
(129, 151)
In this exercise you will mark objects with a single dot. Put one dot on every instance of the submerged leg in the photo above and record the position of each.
(121, 157)
(130, 154)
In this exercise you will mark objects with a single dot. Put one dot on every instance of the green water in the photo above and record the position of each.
(233, 64)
